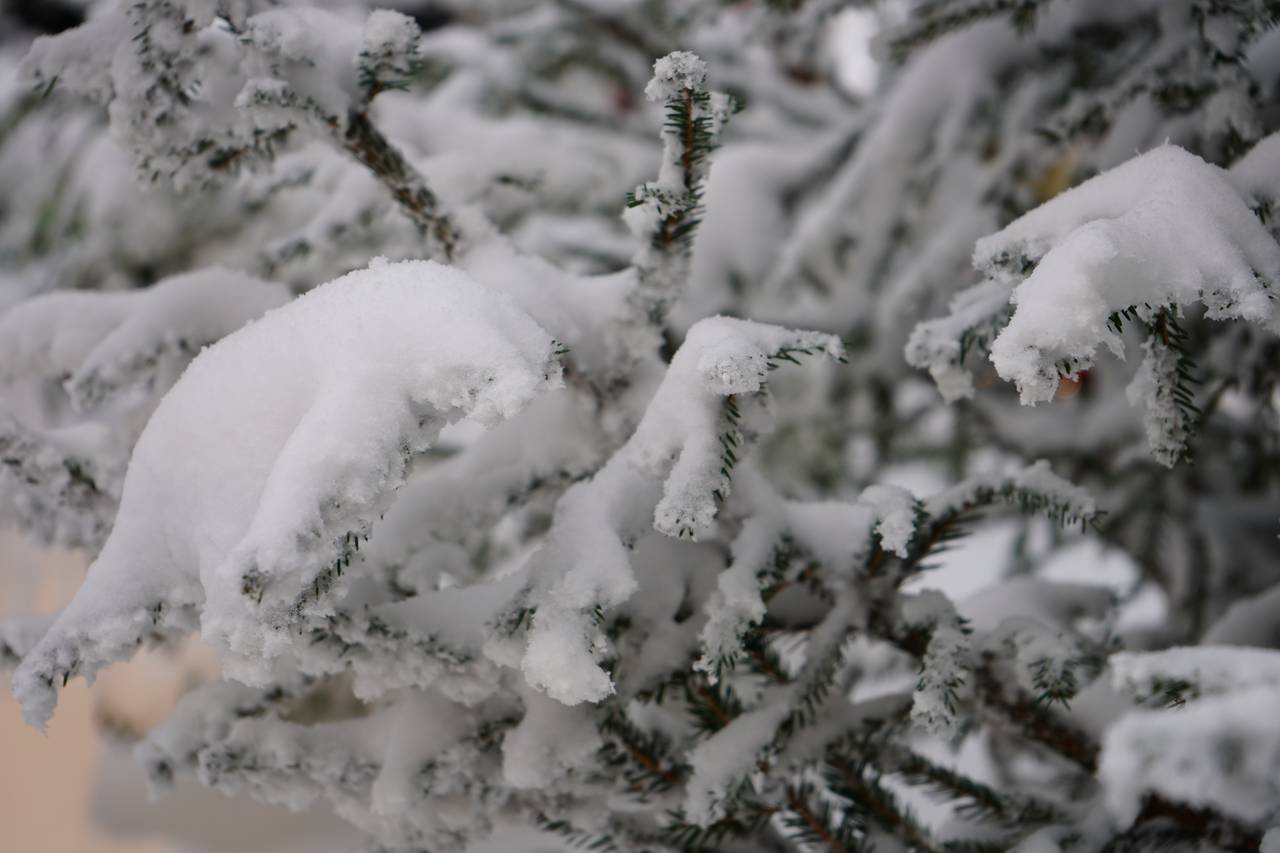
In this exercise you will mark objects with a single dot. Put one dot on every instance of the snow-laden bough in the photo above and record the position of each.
(279, 446)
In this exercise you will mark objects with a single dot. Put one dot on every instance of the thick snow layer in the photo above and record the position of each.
(277, 446)
(1164, 229)
(1221, 751)
(685, 435)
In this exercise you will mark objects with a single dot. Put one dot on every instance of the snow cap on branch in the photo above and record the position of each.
(674, 73)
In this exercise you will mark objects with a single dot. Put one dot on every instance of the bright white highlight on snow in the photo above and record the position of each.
(277, 446)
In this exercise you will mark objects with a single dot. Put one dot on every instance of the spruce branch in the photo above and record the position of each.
(973, 800)
(665, 213)
(365, 142)
(934, 19)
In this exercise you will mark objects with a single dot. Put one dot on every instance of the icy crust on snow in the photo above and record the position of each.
(1163, 229)
(1220, 751)
(277, 447)
(1202, 669)
(669, 476)
(102, 343)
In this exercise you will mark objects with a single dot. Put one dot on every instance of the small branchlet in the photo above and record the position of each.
(665, 213)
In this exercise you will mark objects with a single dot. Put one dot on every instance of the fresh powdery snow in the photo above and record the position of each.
(277, 444)
(583, 532)
(1165, 229)
(1159, 233)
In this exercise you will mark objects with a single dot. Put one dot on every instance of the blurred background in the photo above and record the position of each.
(76, 789)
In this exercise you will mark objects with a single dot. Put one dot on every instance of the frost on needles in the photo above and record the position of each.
(513, 398)
(250, 529)
(1142, 242)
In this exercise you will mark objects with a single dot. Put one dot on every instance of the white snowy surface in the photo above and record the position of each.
(275, 446)
(1164, 229)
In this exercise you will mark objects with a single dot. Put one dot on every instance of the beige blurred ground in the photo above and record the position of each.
(46, 779)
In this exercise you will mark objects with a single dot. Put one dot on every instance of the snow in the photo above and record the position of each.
(721, 761)
(684, 436)
(674, 74)
(549, 741)
(1164, 229)
(1250, 621)
(736, 603)
(1036, 481)
(1222, 752)
(1050, 603)
(1207, 669)
(314, 52)
(304, 423)
(62, 483)
(1167, 426)
(894, 509)
(98, 343)
(389, 52)
(940, 345)
(435, 572)
(669, 476)
(942, 685)
(660, 214)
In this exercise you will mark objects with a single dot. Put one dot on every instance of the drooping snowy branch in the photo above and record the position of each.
(1146, 241)
(1165, 229)
(343, 387)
